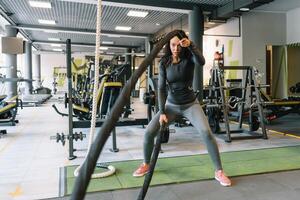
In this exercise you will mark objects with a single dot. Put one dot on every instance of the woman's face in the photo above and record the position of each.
(175, 46)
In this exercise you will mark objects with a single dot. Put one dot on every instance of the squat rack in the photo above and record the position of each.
(249, 89)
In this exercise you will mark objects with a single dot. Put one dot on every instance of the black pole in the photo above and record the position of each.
(83, 179)
(196, 26)
(70, 104)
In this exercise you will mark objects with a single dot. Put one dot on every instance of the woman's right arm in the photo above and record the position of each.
(162, 92)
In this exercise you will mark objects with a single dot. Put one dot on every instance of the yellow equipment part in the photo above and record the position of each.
(100, 89)
(283, 103)
(113, 84)
(7, 107)
(76, 107)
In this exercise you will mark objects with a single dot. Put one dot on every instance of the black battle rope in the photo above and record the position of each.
(154, 157)
(88, 166)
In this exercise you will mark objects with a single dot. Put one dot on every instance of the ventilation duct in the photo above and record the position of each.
(235, 7)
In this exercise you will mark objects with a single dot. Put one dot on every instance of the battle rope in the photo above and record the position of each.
(111, 169)
(154, 157)
(89, 164)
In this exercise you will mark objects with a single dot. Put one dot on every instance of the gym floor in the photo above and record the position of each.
(30, 161)
(273, 186)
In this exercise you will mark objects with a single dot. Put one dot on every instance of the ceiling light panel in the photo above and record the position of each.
(134, 13)
(103, 48)
(51, 31)
(245, 9)
(54, 39)
(123, 28)
(56, 45)
(44, 21)
(40, 4)
(57, 49)
(107, 42)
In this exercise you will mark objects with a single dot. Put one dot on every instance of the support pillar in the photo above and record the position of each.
(36, 70)
(196, 26)
(28, 67)
(10, 61)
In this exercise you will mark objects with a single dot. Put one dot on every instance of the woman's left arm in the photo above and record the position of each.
(197, 54)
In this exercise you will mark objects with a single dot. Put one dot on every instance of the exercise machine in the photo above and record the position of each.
(105, 92)
(9, 110)
(276, 108)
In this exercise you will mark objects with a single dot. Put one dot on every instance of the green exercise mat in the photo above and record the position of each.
(193, 168)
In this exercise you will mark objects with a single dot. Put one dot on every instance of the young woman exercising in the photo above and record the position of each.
(176, 71)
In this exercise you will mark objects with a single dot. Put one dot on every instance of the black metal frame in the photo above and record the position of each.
(219, 90)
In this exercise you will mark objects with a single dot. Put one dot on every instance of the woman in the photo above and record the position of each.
(176, 72)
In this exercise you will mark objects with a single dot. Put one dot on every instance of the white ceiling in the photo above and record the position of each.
(280, 6)
(76, 18)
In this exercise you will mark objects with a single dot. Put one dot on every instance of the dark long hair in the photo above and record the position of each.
(185, 52)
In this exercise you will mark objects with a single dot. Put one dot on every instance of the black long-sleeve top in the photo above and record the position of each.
(179, 78)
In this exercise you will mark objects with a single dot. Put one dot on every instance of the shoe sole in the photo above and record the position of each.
(223, 184)
(139, 175)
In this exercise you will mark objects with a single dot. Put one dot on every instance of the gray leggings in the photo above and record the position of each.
(194, 113)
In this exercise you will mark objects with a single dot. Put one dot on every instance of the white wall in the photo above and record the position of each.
(48, 62)
(258, 30)
(293, 28)
(230, 28)
(232, 46)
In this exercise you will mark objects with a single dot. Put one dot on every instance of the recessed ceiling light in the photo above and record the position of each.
(113, 36)
(57, 49)
(103, 48)
(157, 24)
(43, 21)
(56, 45)
(244, 9)
(107, 42)
(123, 28)
(40, 4)
(54, 39)
(50, 31)
(134, 13)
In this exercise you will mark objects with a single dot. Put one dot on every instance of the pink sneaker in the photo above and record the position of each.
(142, 170)
(222, 178)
